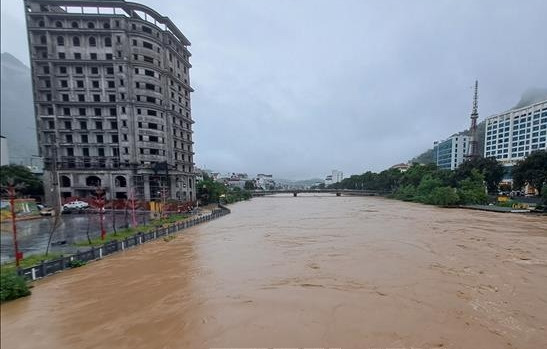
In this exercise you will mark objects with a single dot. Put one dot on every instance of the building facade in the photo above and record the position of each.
(112, 92)
(512, 135)
(335, 177)
(450, 153)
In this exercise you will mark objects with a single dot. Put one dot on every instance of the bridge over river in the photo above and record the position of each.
(338, 192)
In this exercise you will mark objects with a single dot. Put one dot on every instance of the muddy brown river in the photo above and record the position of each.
(306, 272)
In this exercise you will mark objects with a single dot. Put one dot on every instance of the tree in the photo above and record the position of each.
(443, 196)
(250, 185)
(416, 172)
(427, 185)
(490, 168)
(471, 190)
(209, 190)
(22, 175)
(532, 171)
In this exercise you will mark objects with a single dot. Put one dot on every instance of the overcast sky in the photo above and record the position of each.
(298, 88)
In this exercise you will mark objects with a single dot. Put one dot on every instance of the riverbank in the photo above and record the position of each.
(339, 272)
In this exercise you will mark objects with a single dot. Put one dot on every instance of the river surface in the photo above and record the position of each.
(311, 271)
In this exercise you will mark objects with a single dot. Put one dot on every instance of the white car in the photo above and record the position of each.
(76, 205)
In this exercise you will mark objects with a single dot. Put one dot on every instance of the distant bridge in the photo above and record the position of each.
(338, 192)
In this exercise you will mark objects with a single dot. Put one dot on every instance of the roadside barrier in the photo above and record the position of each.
(67, 262)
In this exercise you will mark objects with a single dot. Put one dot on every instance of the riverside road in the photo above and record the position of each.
(32, 235)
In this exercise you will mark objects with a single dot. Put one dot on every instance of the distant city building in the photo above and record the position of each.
(111, 91)
(401, 167)
(4, 152)
(335, 177)
(264, 181)
(450, 153)
(512, 135)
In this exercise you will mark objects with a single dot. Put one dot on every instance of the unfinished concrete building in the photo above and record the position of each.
(112, 99)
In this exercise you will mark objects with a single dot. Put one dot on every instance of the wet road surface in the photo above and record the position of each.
(344, 272)
(32, 235)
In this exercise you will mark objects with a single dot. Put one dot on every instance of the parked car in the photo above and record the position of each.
(47, 211)
(76, 205)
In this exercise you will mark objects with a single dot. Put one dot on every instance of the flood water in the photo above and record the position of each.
(311, 271)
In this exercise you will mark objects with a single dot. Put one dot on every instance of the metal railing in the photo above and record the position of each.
(48, 267)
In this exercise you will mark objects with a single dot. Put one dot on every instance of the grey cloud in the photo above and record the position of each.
(297, 88)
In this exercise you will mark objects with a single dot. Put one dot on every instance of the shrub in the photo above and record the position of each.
(427, 185)
(443, 196)
(75, 263)
(472, 190)
(12, 286)
(406, 193)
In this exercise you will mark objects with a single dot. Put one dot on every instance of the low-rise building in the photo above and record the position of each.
(402, 167)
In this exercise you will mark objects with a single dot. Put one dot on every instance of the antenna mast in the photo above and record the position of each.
(473, 143)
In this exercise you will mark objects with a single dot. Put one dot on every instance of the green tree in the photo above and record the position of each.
(31, 184)
(532, 171)
(406, 193)
(427, 185)
(443, 196)
(416, 172)
(491, 169)
(209, 190)
(250, 185)
(472, 190)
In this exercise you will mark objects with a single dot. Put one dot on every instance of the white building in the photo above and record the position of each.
(335, 177)
(264, 181)
(451, 152)
(512, 135)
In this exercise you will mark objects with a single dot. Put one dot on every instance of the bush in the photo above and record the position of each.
(406, 193)
(443, 196)
(75, 263)
(427, 185)
(472, 190)
(12, 286)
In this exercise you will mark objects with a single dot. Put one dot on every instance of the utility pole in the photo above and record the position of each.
(56, 198)
(55, 178)
(133, 204)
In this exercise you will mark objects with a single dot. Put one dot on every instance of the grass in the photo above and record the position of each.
(29, 261)
(129, 232)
